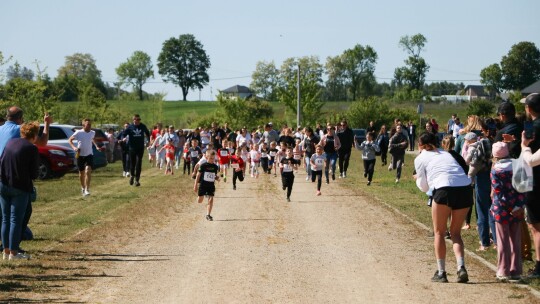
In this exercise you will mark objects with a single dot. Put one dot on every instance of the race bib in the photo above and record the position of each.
(224, 153)
(297, 156)
(209, 177)
(272, 153)
(319, 162)
(235, 166)
(194, 154)
(264, 155)
(287, 168)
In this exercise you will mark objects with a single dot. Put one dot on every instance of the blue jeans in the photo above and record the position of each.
(308, 165)
(330, 161)
(13, 202)
(482, 188)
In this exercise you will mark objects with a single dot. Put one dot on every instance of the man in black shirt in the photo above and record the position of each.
(346, 137)
(134, 136)
(507, 114)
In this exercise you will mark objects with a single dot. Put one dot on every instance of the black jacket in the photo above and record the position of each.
(346, 138)
(513, 127)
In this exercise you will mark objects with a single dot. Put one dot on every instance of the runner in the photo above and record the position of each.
(286, 166)
(84, 154)
(224, 157)
(237, 165)
(317, 163)
(205, 182)
(169, 156)
(136, 143)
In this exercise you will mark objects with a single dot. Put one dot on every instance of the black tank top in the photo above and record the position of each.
(329, 146)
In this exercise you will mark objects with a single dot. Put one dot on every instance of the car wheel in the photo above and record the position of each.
(44, 171)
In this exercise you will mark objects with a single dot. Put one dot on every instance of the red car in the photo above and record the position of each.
(55, 161)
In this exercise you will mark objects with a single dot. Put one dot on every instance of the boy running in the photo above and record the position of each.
(265, 158)
(224, 157)
(194, 153)
(204, 183)
(286, 167)
(317, 163)
(272, 161)
(237, 165)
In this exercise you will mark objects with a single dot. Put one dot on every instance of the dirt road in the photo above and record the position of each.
(335, 248)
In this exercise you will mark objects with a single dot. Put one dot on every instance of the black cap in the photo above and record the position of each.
(507, 108)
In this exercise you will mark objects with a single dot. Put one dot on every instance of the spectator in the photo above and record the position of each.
(450, 123)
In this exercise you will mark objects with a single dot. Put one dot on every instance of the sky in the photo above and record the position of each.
(463, 36)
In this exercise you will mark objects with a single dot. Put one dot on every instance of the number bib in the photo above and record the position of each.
(235, 166)
(272, 154)
(209, 177)
(194, 154)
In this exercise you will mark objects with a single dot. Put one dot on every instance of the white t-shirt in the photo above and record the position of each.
(455, 129)
(85, 141)
(318, 160)
(437, 169)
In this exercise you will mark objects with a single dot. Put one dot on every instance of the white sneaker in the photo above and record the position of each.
(124, 174)
(307, 177)
(390, 167)
(19, 256)
(344, 174)
(127, 174)
(86, 193)
(397, 180)
(5, 256)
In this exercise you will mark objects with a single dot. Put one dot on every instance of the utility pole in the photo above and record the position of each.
(298, 100)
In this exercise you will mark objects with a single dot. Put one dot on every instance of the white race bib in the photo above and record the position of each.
(224, 152)
(209, 177)
(272, 153)
(297, 156)
(319, 162)
(235, 166)
(194, 154)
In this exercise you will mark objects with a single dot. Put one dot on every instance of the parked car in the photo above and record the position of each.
(359, 135)
(55, 161)
(60, 134)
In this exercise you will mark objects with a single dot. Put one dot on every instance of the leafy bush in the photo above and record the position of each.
(481, 107)
(373, 109)
(238, 112)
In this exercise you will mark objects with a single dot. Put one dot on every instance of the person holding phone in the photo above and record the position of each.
(530, 149)
(511, 126)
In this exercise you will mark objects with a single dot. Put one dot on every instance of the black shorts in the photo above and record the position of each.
(532, 207)
(454, 197)
(85, 161)
(206, 190)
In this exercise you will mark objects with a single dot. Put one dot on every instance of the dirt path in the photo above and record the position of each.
(335, 248)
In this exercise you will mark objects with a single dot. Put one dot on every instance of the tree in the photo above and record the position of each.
(240, 112)
(336, 88)
(359, 66)
(82, 69)
(16, 71)
(264, 80)
(136, 71)
(492, 79)
(413, 74)
(310, 87)
(521, 66)
(184, 62)
(3, 61)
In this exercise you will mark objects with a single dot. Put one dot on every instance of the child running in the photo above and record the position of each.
(272, 161)
(169, 156)
(286, 166)
(265, 158)
(368, 148)
(317, 163)
(255, 159)
(237, 165)
(187, 159)
(205, 182)
(194, 154)
(224, 159)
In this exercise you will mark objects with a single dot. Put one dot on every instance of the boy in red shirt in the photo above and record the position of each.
(237, 165)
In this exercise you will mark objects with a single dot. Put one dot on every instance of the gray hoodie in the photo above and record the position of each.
(368, 149)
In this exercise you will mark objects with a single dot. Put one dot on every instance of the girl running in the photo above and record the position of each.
(286, 166)
(169, 156)
(237, 165)
(368, 148)
(272, 161)
(187, 159)
(255, 158)
(317, 163)
(265, 158)
(224, 159)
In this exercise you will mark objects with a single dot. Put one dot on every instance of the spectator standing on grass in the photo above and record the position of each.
(507, 210)
(510, 126)
(112, 145)
(11, 129)
(452, 198)
(456, 127)
(450, 123)
(383, 141)
(136, 133)
(18, 167)
(371, 127)
(530, 153)
(85, 138)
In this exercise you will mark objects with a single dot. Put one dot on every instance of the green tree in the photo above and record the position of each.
(380, 112)
(34, 97)
(521, 66)
(264, 80)
(359, 67)
(483, 108)
(492, 79)
(18, 71)
(335, 85)
(136, 71)
(413, 74)
(3, 61)
(183, 61)
(310, 87)
(82, 69)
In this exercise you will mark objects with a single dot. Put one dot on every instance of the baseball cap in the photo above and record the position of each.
(531, 100)
(500, 150)
(470, 136)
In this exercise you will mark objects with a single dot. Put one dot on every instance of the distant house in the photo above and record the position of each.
(237, 91)
(474, 92)
(533, 88)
